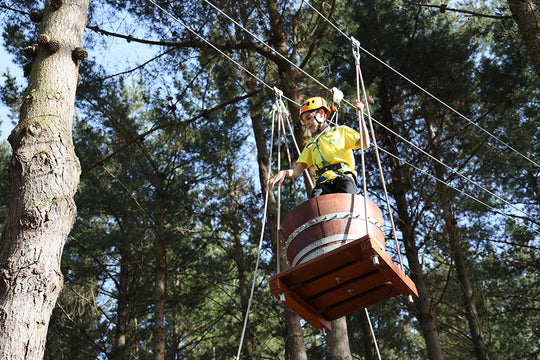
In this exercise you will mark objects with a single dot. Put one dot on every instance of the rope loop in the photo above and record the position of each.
(356, 49)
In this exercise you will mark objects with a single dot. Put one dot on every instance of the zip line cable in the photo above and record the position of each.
(353, 40)
(268, 46)
(326, 88)
(217, 49)
(350, 38)
(246, 317)
(456, 189)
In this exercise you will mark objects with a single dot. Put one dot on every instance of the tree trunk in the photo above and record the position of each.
(398, 189)
(424, 313)
(473, 318)
(526, 14)
(480, 349)
(119, 350)
(450, 222)
(160, 286)
(44, 174)
(338, 341)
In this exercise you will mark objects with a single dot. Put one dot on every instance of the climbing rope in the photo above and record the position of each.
(370, 124)
(278, 108)
(360, 80)
(372, 333)
(326, 88)
(246, 317)
(350, 38)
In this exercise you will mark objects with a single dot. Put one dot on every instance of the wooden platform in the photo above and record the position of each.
(341, 282)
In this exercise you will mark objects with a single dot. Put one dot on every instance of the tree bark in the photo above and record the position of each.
(458, 254)
(424, 313)
(480, 348)
(44, 175)
(338, 341)
(473, 318)
(160, 285)
(399, 188)
(526, 14)
(119, 349)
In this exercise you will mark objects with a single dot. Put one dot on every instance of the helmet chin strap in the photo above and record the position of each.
(319, 124)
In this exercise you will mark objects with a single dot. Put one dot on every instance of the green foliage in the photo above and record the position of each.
(10, 95)
(166, 163)
(5, 157)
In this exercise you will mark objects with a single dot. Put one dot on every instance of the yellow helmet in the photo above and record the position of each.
(314, 103)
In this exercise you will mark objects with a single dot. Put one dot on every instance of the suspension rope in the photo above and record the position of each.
(287, 150)
(291, 132)
(260, 246)
(350, 104)
(359, 79)
(350, 38)
(278, 217)
(356, 53)
(268, 46)
(457, 189)
(373, 333)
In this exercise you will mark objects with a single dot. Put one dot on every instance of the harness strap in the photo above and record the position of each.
(336, 168)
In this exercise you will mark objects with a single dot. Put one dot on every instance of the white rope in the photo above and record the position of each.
(422, 89)
(288, 152)
(378, 122)
(291, 132)
(278, 216)
(373, 333)
(268, 46)
(259, 251)
(356, 53)
(360, 129)
(458, 190)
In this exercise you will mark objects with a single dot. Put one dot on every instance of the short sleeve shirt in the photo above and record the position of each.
(332, 147)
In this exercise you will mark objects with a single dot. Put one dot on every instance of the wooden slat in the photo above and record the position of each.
(363, 301)
(313, 292)
(326, 263)
(347, 291)
(392, 271)
(299, 306)
(339, 276)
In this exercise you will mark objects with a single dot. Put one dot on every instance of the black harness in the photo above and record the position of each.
(336, 168)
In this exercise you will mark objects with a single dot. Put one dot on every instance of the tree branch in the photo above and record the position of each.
(164, 126)
(444, 8)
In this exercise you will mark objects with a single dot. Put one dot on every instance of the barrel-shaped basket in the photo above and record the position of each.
(327, 222)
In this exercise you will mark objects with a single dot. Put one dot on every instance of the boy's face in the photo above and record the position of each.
(309, 119)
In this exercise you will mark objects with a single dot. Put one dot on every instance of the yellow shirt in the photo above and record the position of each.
(332, 147)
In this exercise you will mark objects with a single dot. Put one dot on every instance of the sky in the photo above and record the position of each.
(5, 62)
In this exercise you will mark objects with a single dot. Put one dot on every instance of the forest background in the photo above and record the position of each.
(160, 259)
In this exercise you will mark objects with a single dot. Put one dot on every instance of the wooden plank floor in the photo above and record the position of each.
(341, 282)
